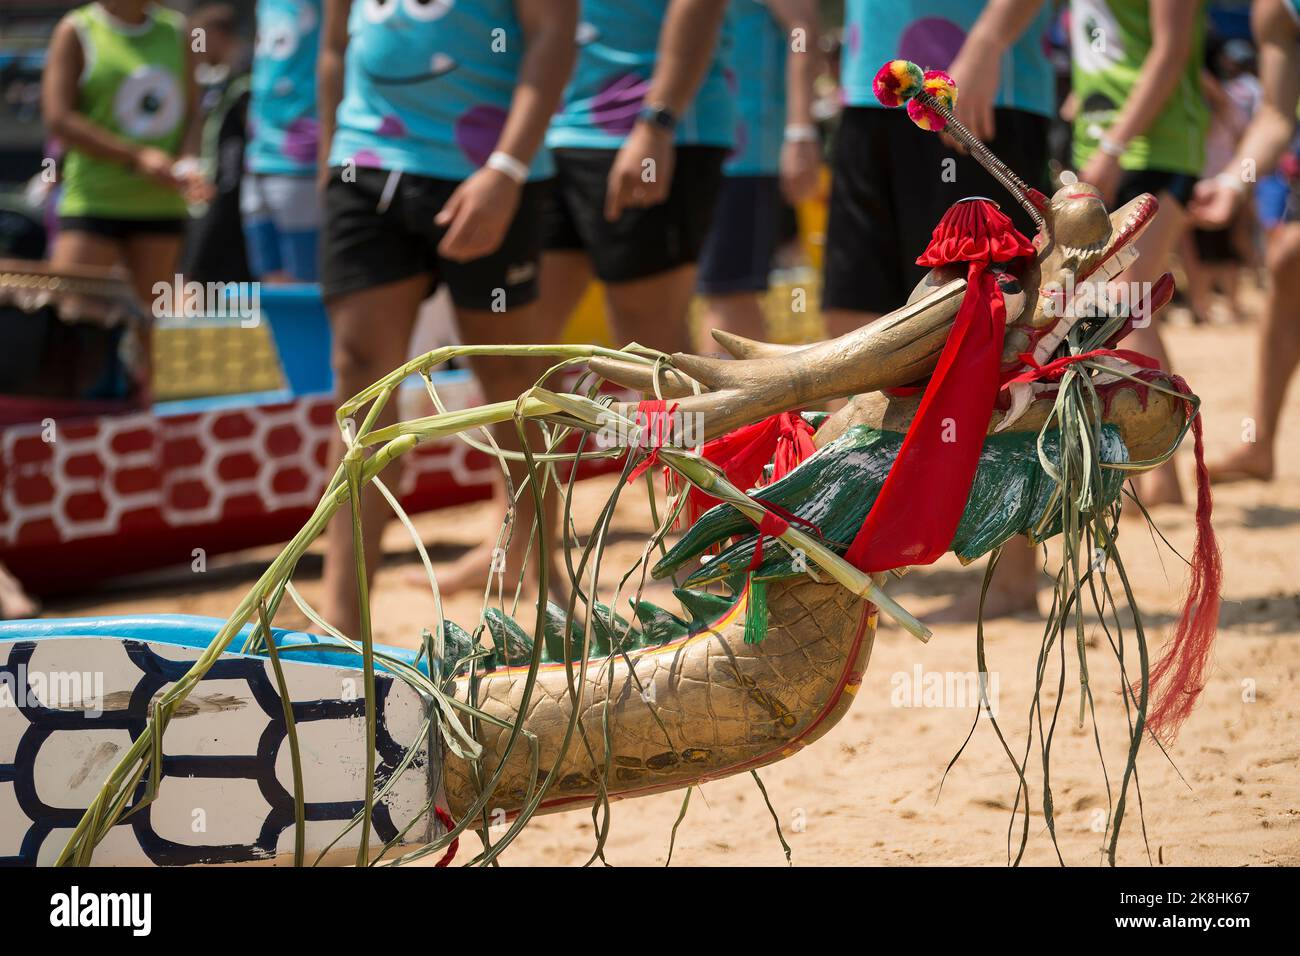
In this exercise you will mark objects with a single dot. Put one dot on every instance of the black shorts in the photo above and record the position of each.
(1135, 182)
(366, 242)
(643, 242)
(120, 229)
(891, 184)
(737, 254)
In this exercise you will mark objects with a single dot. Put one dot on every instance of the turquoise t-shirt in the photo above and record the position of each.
(427, 86)
(283, 129)
(930, 32)
(758, 73)
(617, 44)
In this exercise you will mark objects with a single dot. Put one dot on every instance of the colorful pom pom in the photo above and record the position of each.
(897, 82)
(942, 87)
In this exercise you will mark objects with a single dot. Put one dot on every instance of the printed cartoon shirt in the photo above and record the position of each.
(283, 129)
(427, 86)
(757, 74)
(930, 33)
(1109, 39)
(617, 45)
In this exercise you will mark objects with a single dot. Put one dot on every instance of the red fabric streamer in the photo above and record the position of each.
(445, 819)
(1177, 679)
(656, 418)
(916, 513)
(784, 439)
(1053, 370)
(773, 525)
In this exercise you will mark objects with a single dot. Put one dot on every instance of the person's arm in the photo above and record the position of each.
(59, 89)
(1269, 132)
(329, 78)
(977, 68)
(687, 41)
(194, 185)
(801, 145)
(1162, 70)
(479, 212)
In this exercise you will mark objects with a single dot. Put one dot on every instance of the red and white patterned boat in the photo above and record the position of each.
(93, 490)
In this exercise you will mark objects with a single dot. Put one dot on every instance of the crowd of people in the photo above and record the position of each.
(515, 150)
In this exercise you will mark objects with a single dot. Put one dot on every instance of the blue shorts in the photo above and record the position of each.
(737, 255)
(281, 225)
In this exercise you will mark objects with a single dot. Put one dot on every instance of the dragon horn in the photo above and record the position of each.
(930, 97)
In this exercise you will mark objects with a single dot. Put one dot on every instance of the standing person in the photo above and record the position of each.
(639, 144)
(892, 182)
(278, 196)
(432, 118)
(214, 246)
(774, 63)
(1140, 127)
(119, 93)
(1276, 25)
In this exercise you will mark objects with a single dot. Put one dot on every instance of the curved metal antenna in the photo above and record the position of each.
(984, 156)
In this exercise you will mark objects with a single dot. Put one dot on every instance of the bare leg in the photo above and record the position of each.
(652, 311)
(1013, 590)
(1279, 353)
(1200, 280)
(740, 313)
(15, 603)
(1154, 248)
(563, 281)
(151, 259)
(372, 330)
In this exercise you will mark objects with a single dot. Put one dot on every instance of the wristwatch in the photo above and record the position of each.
(660, 117)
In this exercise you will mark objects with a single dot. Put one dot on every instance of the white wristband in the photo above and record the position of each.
(801, 133)
(1232, 181)
(1111, 148)
(508, 165)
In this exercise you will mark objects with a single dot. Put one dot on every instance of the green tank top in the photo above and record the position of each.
(133, 85)
(1109, 39)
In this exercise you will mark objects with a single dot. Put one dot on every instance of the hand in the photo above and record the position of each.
(193, 185)
(156, 165)
(477, 215)
(1214, 203)
(976, 71)
(642, 172)
(800, 171)
(1103, 171)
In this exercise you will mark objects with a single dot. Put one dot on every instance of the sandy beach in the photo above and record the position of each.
(1227, 794)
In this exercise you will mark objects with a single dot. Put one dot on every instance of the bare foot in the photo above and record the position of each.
(469, 572)
(1251, 463)
(15, 603)
(1160, 487)
(1007, 596)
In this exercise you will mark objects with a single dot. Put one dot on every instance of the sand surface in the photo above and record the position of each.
(869, 791)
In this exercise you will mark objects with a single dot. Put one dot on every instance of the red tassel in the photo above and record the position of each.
(445, 819)
(1177, 679)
